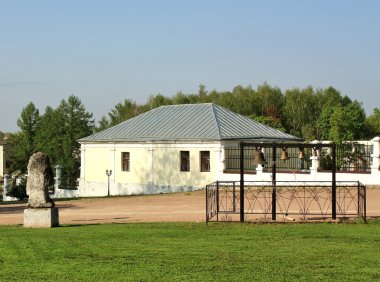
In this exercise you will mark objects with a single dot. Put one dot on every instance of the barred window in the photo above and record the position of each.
(185, 160)
(205, 161)
(125, 161)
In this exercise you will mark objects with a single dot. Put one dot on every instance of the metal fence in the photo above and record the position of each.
(350, 157)
(296, 162)
(293, 163)
(232, 160)
(286, 201)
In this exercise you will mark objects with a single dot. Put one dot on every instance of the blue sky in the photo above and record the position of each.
(106, 51)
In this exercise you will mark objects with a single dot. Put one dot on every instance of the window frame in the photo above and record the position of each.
(125, 161)
(204, 161)
(184, 161)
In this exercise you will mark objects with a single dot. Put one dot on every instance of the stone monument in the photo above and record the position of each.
(41, 210)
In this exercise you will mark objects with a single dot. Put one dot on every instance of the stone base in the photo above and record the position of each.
(41, 218)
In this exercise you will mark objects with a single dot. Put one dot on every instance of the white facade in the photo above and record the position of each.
(155, 168)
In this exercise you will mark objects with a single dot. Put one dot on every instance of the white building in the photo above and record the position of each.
(168, 149)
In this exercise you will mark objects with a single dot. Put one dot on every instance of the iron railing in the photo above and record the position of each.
(292, 201)
(350, 157)
(232, 160)
(293, 164)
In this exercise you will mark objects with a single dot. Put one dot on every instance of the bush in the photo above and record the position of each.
(18, 191)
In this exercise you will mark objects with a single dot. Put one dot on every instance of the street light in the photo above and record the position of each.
(108, 173)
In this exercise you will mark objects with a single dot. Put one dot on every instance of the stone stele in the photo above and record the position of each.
(41, 211)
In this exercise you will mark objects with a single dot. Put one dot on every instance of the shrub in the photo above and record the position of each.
(18, 191)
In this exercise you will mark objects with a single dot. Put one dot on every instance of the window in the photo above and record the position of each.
(185, 161)
(125, 161)
(205, 160)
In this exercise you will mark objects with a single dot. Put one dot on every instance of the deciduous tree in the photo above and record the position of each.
(347, 123)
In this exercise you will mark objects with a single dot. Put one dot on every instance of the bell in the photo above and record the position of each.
(284, 155)
(301, 154)
(259, 157)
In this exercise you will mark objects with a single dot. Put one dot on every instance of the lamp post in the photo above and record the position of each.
(108, 173)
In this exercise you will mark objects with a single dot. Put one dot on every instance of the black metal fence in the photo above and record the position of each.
(350, 157)
(232, 160)
(293, 163)
(287, 201)
(296, 162)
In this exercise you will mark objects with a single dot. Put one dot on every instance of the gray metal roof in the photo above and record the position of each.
(189, 122)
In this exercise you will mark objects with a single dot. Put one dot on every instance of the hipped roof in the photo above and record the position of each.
(189, 122)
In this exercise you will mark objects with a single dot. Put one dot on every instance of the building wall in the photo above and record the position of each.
(166, 165)
(154, 168)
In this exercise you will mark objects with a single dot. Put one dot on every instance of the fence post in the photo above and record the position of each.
(206, 204)
(217, 200)
(359, 200)
(274, 192)
(217, 197)
(241, 182)
(365, 202)
(234, 197)
(375, 155)
(333, 186)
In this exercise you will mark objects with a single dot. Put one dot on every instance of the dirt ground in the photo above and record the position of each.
(179, 207)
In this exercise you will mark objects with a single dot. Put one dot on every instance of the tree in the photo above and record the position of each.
(22, 145)
(58, 133)
(299, 110)
(123, 112)
(202, 92)
(302, 112)
(268, 101)
(104, 123)
(242, 100)
(323, 123)
(372, 124)
(347, 123)
(77, 123)
(269, 121)
(329, 97)
(16, 154)
(50, 135)
(159, 100)
(28, 123)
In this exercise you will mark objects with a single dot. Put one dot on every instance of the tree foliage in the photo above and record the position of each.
(122, 112)
(55, 133)
(372, 123)
(305, 112)
(77, 123)
(347, 122)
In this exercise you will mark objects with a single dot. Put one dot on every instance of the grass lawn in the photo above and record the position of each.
(192, 251)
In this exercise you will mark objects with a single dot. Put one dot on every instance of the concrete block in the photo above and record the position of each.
(41, 218)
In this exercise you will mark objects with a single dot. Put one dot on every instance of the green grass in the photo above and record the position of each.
(192, 251)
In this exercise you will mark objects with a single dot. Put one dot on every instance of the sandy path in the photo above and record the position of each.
(146, 208)
(182, 207)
